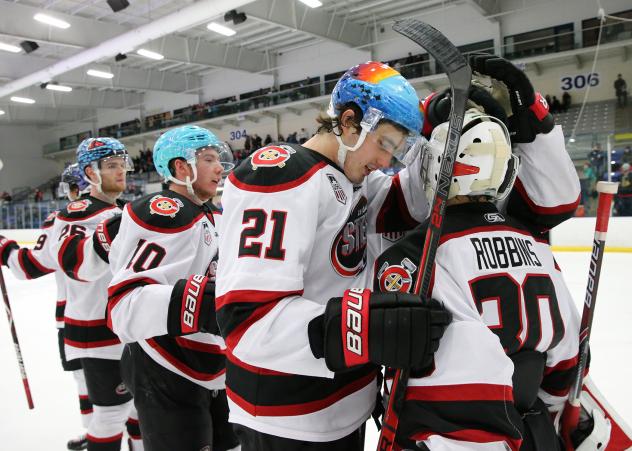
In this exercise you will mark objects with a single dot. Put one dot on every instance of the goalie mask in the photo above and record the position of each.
(484, 164)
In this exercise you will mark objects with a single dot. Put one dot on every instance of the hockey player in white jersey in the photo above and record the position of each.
(293, 241)
(104, 163)
(33, 263)
(162, 296)
(508, 357)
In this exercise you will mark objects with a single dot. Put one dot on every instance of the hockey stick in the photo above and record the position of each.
(459, 75)
(570, 416)
(16, 343)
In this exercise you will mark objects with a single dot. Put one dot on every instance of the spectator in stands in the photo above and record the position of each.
(38, 195)
(621, 91)
(566, 101)
(597, 159)
(291, 138)
(257, 142)
(281, 138)
(268, 140)
(6, 197)
(303, 136)
(548, 100)
(247, 144)
(556, 106)
(624, 196)
(587, 179)
(627, 155)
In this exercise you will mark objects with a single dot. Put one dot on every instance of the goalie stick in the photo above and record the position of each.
(570, 416)
(16, 344)
(460, 75)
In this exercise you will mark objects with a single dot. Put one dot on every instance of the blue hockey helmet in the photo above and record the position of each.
(92, 150)
(184, 142)
(72, 176)
(379, 89)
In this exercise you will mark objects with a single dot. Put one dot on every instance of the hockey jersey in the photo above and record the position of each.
(85, 331)
(163, 237)
(33, 263)
(293, 235)
(507, 296)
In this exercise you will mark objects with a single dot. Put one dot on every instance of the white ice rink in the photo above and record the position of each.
(55, 418)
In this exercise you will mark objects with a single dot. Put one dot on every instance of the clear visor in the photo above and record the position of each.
(224, 156)
(63, 189)
(115, 162)
(394, 143)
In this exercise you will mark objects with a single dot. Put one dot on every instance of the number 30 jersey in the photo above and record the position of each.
(85, 331)
(162, 238)
(507, 296)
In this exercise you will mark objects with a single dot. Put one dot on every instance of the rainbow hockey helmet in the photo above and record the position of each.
(485, 165)
(92, 151)
(381, 93)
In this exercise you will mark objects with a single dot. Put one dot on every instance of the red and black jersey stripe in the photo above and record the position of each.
(271, 393)
(88, 333)
(537, 218)
(394, 215)
(558, 379)
(200, 361)
(291, 171)
(60, 307)
(473, 412)
(30, 266)
(118, 291)
(71, 256)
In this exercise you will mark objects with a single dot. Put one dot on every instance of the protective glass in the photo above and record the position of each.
(225, 156)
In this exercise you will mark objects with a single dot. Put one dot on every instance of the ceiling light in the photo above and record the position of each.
(99, 73)
(150, 54)
(60, 88)
(311, 3)
(9, 48)
(1, 112)
(22, 99)
(221, 29)
(51, 21)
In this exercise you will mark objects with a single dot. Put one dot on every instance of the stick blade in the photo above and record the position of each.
(432, 40)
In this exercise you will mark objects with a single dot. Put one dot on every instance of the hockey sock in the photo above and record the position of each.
(133, 431)
(85, 406)
(106, 428)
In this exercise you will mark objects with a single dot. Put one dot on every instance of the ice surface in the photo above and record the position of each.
(55, 418)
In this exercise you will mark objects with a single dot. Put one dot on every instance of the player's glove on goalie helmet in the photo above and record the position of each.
(437, 106)
(192, 307)
(393, 329)
(530, 112)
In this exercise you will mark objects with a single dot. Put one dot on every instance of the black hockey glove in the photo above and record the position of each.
(530, 111)
(102, 238)
(192, 307)
(437, 107)
(6, 247)
(392, 329)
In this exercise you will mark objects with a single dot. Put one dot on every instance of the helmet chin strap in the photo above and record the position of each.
(343, 148)
(98, 184)
(188, 182)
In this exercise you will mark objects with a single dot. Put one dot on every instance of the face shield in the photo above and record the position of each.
(225, 156)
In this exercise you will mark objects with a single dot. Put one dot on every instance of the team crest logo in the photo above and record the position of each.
(164, 206)
(78, 205)
(271, 156)
(396, 277)
(494, 217)
(94, 144)
(393, 237)
(121, 389)
(338, 191)
(348, 250)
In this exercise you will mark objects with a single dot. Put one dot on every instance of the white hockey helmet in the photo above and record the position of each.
(484, 164)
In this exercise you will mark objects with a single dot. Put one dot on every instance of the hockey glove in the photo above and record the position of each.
(6, 247)
(102, 238)
(529, 111)
(437, 107)
(391, 329)
(192, 307)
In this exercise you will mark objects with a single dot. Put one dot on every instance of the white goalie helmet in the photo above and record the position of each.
(484, 164)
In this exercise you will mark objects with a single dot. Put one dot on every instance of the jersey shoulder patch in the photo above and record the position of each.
(278, 167)
(83, 208)
(164, 212)
(50, 220)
